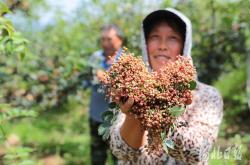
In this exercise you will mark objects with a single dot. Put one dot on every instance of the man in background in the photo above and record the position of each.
(111, 41)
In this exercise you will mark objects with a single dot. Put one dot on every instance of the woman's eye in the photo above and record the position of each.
(154, 36)
(173, 38)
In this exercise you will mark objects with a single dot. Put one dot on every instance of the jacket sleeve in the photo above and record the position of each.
(118, 146)
(193, 143)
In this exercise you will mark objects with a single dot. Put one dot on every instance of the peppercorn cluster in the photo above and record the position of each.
(154, 93)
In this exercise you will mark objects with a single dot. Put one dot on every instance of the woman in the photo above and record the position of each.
(166, 34)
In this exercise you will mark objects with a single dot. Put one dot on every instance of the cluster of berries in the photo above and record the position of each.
(158, 96)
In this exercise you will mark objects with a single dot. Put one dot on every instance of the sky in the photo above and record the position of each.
(68, 7)
(47, 16)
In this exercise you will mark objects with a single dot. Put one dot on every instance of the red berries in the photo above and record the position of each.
(154, 93)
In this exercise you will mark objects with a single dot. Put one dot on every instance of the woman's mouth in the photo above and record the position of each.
(162, 58)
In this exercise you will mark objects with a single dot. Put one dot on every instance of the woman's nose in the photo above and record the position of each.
(163, 45)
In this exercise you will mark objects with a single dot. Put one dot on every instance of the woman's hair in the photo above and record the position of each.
(171, 19)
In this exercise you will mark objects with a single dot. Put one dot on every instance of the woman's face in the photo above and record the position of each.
(163, 44)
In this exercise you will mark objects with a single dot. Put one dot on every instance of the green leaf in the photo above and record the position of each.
(114, 118)
(3, 8)
(5, 32)
(165, 148)
(180, 86)
(163, 135)
(103, 128)
(22, 55)
(176, 111)
(168, 143)
(6, 27)
(159, 88)
(107, 116)
(105, 136)
(172, 127)
(10, 157)
(12, 113)
(4, 106)
(112, 105)
(114, 74)
(192, 85)
(23, 149)
(27, 162)
(20, 48)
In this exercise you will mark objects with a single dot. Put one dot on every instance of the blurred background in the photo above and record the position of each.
(44, 47)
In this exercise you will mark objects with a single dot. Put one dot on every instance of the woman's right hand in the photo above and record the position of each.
(126, 106)
(131, 130)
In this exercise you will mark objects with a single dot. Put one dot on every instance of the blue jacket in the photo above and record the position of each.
(98, 102)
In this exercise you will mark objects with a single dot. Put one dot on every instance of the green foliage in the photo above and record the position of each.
(168, 143)
(176, 111)
(3, 9)
(233, 89)
(14, 113)
(234, 80)
(11, 42)
(19, 156)
(55, 64)
(64, 133)
(192, 85)
(220, 35)
(108, 117)
(52, 74)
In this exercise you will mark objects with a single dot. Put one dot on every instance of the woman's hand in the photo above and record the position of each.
(131, 130)
(125, 107)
